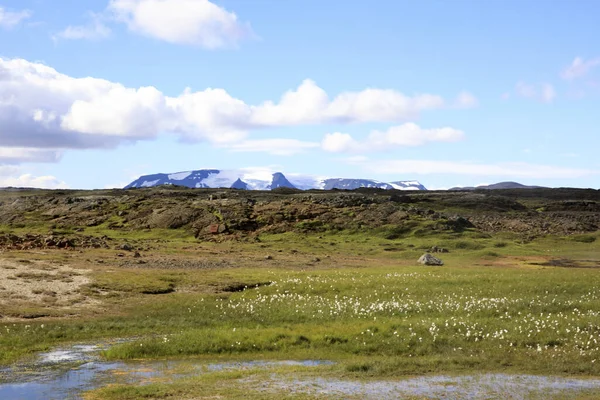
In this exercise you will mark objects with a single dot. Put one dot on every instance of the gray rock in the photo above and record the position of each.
(126, 247)
(436, 249)
(428, 259)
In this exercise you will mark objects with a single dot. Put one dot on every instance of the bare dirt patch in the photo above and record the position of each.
(27, 285)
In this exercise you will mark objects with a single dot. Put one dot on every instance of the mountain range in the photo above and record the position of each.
(247, 179)
(499, 185)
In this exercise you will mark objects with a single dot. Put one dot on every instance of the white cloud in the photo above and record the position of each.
(192, 22)
(10, 19)
(119, 111)
(11, 176)
(310, 104)
(210, 114)
(306, 104)
(95, 30)
(338, 142)
(543, 92)
(17, 155)
(42, 108)
(466, 100)
(43, 111)
(408, 134)
(379, 105)
(28, 180)
(579, 68)
(35, 101)
(411, 134)
(510, 170)
(280, 147)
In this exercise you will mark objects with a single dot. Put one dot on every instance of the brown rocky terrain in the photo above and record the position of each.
(71, 219)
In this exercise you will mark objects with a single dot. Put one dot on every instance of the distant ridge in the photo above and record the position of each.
(263, 180)
(499, 185)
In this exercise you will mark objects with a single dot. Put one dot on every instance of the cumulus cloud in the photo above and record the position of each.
(190, 22)
(10, 19)
(95, 30)
(511, 170)
(579, 68)
(310, 104)
(306, 104)
(408, 134)
(211, 114)
(543, 92)
(118, 111)
(11, 176)
(277, 146)
(34, 101)
(44, 109)
(41, 108)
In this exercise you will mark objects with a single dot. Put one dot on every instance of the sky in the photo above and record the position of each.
(95, 93)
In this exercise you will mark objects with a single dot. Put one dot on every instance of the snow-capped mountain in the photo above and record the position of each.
(263, 179)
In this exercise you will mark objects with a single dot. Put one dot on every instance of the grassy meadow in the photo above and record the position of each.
(360, 300)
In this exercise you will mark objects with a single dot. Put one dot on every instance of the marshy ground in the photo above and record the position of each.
(208, 277)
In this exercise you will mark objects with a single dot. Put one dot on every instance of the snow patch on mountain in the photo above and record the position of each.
(150, 183)
(306, 182)
(264, 179)
(178, 176)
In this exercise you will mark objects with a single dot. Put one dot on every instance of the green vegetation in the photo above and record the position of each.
(291, 281)
(448, 319)
(584, 238)
(378, 310)
(222, 384)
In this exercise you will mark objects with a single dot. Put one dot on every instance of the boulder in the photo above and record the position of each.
(428, 259)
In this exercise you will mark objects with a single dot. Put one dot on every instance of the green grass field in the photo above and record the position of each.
(360, 300)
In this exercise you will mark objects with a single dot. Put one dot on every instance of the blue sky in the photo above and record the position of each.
(95, 93)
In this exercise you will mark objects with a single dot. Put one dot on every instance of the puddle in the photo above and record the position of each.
(64, 385)
(483, 386)
(67, 372)
(77, 353)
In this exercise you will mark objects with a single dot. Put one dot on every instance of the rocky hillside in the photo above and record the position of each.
(211, 214)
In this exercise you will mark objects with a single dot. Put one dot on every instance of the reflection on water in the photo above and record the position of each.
(66, 373)
(63, 385)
